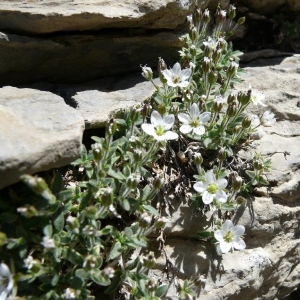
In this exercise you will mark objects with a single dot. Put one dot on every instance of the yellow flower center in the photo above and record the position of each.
(228, 236)
(159, 130)
(212, 188)
(195, 122)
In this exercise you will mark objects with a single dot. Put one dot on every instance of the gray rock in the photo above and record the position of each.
(38, 132)
(39, 17)
(75, 58)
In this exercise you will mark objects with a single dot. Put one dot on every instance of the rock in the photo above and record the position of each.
(38, 132)
(40, 17)
(269, 267)
(75, 58)
(262, 6)
(97, 105)
(294, 4)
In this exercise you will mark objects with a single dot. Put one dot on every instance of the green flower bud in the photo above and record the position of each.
(98, 151)
(134, 115)
(206, 16)
(145, 110)
(147, 73)
(112, 127)
(207, 51)
(3, 239)
(162, 109)
(217, 106)
(89, 230)
(198, 14)
(107, 197)
(149, 261)
(90, 262)
(145, 220)
(161, 65)
(241, 21)
(193, 50)
(258, 165)
(232, 69)
(240, 200)
(231, 98)
(151, 285)
(231, 110)
(237, 183)
(246, 123)
(158, 182)
(27, 211)
(132, 182)
(193, 34)
(137, 155)
(160, 222)
(212, 77)
(231, 12)
(216, 55)
(73, 223)
(206, 64)
(198, 159)
(222, 154)
(223, 44)
(236, 129)
(220, 16)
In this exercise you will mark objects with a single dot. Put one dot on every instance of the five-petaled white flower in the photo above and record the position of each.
(194, 121)
(267, 119)
(159, 127)
(6, 281)
(177, 77)
(256, 97)
(69, 294)
(212, 188)
(229, 237)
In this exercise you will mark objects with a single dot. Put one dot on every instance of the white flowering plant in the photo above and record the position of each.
(82, 236)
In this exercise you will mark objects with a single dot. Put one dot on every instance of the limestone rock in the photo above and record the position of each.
(95, 105)
(75, 58)
(38, 132)
(39, 17)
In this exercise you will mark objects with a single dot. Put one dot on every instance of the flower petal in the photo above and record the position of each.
(199, 130)
(210, 177)
(207, 198)
(225, 247)
(219, 235)
(170, 135)
(186, 73)
(200, 187)
(183, 84)
(221, 183)
(184, 118)
(238, 230)
(167, 74)
(186, 128)
(238, 243)
(221, 196)
(168, 121)
(205, 117)
(194, 110)
(227, 226)
(156, 118)
(149, 129)
(176, 69)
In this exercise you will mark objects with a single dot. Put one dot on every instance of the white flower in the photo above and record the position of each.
(255, 122)
(211, 188)
(6, 281)
(211, 43)
(256, 97)
(70, 294)
(194, 121)
(177, 77)
(147, 72)
(267, 119)
(29, 262)
(159, 127)
(229, 237)
(219, 99)
(48, 243)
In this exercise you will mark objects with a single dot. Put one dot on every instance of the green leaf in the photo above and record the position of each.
(114, 284)
(151, 210)
(81, 273)
(85, 199)
(124, 203)
(251, 174)
(58, 219)
(228, 207)
(205, 235)
(57, 183)
(74, 257)
(263, 181)
(115, 251)
(48, 230)
(77, 283)
(161, 290)
(98, 278)
(116, 175)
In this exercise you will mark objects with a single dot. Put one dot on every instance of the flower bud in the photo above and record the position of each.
(149, 261)
(193, 50)
(132, 182)
(160, 222)
(207, 51)
(72, 224)
(198, 159)
(236, 129)
(216, 55)
(217, 106)
(240, 200)
(231, 12)
(3, 239)
(145, 110)
(206, 64)
(107, 197)
(147, 73)
(220, 16)
(112, 127)
(89, 230)
(90, 262)
(231, 98)
(158, 182)
(145, 220)
(206, 16)
(222, 154)
(161, 65)
(98, 151)
(27, 211)
(108, 272)
(232, 69)
(241, 21)
(246, 123)
(231, 110)
(222, 43)
(197, 14)
(134, 115)
(162, 109)
(237, 183)
(212, 77)
(193, 34)
(137, 155)
(258, 165)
